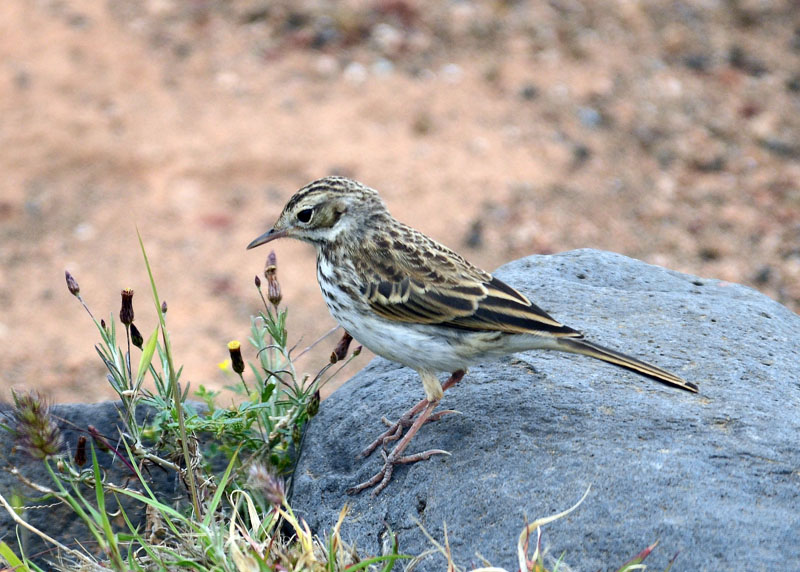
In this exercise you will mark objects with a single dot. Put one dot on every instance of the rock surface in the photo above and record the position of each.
(713, 477)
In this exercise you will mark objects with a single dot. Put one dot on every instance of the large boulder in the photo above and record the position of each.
(712, 476)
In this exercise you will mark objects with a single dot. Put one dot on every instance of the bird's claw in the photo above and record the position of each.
(439, 414)
(395, 430)
(381, 479)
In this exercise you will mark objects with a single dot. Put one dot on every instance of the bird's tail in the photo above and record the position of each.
(583, 347)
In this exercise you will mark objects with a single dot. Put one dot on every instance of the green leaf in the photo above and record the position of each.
(11, 558)
(147, 356)
(221, 489)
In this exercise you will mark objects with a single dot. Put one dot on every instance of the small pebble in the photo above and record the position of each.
(382, 68)
(590, 117)
(327, 66)
(529, 92)
(697, 62)
(387, 39)
(452, 73)
(84, 231)
(355, 73)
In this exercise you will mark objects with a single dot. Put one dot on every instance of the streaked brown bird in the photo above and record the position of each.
(413, 301)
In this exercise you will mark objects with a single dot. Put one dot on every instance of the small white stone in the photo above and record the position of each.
(452, 73)
(355, 73)
(227, 80)
(84, 231)
(387, 38)
(382, 68)
(327, 66)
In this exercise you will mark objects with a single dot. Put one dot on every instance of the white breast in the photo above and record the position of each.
(416, 346)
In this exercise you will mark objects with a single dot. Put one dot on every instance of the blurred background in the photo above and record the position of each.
(668, 131)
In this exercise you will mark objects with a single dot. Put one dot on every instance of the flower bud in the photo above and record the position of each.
(271, 274)
(98, 439)
(126, 312)
(237, 363)
(136, 337)
(80, 451)
(163, 306)
(340, 351)
(258, 281)
(72, 284)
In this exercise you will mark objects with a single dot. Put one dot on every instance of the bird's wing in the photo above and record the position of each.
(420, 281)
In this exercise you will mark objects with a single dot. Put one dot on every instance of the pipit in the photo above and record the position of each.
(413, 301)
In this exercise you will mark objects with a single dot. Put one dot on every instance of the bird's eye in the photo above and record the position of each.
(305, 215)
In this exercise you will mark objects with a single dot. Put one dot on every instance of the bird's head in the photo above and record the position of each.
(323, 210)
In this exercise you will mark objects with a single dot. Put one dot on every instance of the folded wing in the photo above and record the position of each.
(424, 282)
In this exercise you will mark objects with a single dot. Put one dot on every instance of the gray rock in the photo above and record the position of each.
(713, 477)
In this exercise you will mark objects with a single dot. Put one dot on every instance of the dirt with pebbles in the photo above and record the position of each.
(665, 131)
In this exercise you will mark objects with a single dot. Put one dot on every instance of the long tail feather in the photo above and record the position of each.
(583, 347)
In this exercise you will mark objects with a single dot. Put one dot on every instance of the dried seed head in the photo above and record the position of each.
(80, 451)
(258, 281)
(72, 284)
(136, 336)
(126, 312)
(36, 431)
(260, 478)
(163, 306)
(102, 323)
(237, 362)
(271, 274)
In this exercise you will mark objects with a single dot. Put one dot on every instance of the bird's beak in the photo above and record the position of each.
(271, 234)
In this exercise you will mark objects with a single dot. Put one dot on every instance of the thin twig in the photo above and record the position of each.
(317, 341)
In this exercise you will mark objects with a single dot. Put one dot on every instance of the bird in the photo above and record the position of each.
(416, 302)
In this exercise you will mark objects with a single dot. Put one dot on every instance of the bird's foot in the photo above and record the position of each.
(396, 457)
(382, 477)
(412, 420)
(406, 423)
(395, 430)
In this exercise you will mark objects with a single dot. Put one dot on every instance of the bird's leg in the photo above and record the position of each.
(426, 406)
(382, 477)
(395, 430)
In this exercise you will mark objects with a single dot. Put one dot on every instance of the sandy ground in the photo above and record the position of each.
(666, 131)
